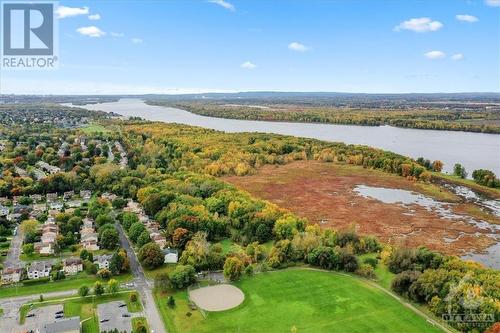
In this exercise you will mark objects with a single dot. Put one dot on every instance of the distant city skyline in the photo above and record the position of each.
(168, 47)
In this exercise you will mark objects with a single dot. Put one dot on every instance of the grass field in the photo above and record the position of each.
(312, 301)
(94, 128)
(73, 282)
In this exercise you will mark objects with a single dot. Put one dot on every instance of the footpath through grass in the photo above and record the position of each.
(312, 301)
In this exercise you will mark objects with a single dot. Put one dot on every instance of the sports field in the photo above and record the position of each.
(312, 301)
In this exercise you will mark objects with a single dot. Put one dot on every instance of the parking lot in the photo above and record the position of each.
(37, 318)
(111, 316)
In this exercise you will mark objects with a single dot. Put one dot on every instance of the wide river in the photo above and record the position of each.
(472, 150)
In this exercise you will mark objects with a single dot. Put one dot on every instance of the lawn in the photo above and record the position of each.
(73, 282)
(94, 128)
(139, 321)
(312, 301)
(163, 269)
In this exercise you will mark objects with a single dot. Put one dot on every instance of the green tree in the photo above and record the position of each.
(182, 276)
(171, 301)
(233, 267)
(83, 291)
(28, 249)
(98, 288)
(109, 239)
(129, 218)
(103, 219)
(151, 256)
(143, 239)
(135, 231)
(113, 286)
(459, 171)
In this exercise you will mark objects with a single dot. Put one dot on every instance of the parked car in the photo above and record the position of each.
(125, 315)
(104, 320)
(30, 315)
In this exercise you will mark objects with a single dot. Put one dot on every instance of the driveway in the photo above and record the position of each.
(143, 286)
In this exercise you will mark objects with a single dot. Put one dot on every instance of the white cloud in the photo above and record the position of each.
(63, 11)
(457, 56)
(493, 3)
(296, 46)
(224, 4)
(117, 34)
(466, 18)
(435, 54)
(136, 40)
(248, 65)
(422, 24)
(91, 31)
(94, 17)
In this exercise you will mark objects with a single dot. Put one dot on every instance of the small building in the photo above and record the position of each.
(66, 325)
(39, 269)
(85, 194)
(11, 275)
(36, 197)
(72, 266)
(159, 239)
(103, 260)
(68, 195)
(51, 197)
(4, 211)
(109, 196)
(171, 255)
(56, 205)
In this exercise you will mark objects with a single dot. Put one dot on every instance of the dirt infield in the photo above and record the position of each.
(217, 298)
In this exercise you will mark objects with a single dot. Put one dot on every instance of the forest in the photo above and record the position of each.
(482, 121)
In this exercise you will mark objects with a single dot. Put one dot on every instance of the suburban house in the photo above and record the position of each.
(36, 197)
(72, 266)
(11, 275)
(89, 241)
(133, 207)
(4, 211)
(88, 236)
(171, 255)
(109, 196)
(66, 325)
(68, 195)
(159, 239)
(102, 261)
(47, 167)
(39, 269)
(85, 194)
(51, 197)
(49, 238)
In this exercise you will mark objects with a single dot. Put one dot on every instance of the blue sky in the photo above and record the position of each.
(111, 47)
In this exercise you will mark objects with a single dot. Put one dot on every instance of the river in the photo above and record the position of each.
(472, 150)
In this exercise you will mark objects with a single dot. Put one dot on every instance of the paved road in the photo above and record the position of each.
(143, 286)
(12, 259)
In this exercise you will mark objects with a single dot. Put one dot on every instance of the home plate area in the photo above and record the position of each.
(217, 298)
